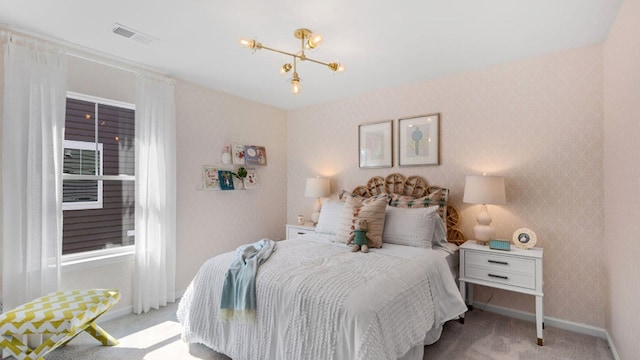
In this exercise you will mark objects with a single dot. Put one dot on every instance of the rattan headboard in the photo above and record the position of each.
(415, 186)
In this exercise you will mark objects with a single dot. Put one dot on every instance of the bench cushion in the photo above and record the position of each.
(62, 311)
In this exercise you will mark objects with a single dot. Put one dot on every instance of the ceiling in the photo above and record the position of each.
(382, 44)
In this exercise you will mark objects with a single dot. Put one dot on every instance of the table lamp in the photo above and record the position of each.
(484, 190)
(316, 187)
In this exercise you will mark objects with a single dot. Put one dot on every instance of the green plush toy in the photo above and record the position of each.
(359, 236)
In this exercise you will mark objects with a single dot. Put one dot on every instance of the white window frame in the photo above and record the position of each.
(90, 259)
(83, 205)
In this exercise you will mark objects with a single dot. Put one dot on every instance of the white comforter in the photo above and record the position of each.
(318, 300)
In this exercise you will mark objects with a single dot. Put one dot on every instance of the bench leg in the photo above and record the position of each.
(22, 352)
(99, 334)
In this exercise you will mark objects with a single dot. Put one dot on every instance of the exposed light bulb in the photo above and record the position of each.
(248, 43)
(314, 41)
(295, 83)
(285, 68)
(336, 67)
(295, 86)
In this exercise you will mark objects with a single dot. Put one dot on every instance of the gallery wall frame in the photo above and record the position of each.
(419, 140)
(375, 144)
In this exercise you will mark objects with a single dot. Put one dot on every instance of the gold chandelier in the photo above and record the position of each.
(308, 40)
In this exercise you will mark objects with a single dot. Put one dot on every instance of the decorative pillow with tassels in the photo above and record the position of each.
(372, 210)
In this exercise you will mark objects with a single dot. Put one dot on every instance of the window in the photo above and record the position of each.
(81, 158)
(98, 174)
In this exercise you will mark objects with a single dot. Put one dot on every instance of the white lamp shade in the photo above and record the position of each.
(484, 190)
(317, 187)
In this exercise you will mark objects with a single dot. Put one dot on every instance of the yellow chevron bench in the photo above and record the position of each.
(64, 315)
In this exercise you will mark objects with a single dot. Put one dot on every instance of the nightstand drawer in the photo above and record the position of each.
(505, 276)
(505, 263)
(297, 230)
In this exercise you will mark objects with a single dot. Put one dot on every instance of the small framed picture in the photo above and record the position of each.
(251, 181)
(210, 178)
(419, 140)
(225, 178)
(251, 155)
(375, 144)
(262, 156)
(524, 238)
(238, 154)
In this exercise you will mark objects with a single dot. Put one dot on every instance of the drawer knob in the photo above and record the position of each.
(498, 262)
(499, 276)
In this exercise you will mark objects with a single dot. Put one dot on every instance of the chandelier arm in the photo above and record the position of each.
(317, 62)
(280, 51)
(294, 55)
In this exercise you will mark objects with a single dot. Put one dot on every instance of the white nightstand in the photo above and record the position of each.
(516, 270)
(297, 230)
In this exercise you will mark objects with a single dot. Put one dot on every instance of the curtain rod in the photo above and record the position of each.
(82, 52)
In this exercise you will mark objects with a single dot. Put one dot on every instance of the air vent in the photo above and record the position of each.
(131, 34)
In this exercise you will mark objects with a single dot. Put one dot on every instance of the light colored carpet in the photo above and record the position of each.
(484, 335)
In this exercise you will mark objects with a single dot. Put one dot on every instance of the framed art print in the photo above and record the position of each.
(238, 154)
(210, 178)
(419, 140)
(225, 178)
(251, 155)
(524, 238)
(375, 144)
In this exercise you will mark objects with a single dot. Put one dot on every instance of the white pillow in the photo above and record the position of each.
(439, 232)
(412, 226)
(329, 219)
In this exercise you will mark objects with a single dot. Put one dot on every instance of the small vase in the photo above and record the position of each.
(226, 156)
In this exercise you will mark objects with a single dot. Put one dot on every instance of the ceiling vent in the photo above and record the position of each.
(132, 34)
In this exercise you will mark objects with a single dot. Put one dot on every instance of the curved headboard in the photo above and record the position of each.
(415, 186)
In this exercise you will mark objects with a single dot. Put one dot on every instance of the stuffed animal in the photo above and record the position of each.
(359, 236)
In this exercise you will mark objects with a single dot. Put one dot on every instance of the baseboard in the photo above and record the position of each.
(114, 314)
(551, 321)
(612, 347)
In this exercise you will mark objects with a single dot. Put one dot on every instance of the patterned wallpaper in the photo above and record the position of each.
(538, 122)
(212, 222)
(622, 176)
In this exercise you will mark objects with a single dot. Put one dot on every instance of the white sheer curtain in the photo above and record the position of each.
(154, 284)
(32, 135)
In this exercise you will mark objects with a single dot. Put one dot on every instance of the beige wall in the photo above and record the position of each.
(621, 179)
(212, 222)
(538, 122)
(208, 223)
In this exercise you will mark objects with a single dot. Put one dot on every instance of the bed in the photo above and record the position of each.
(318, 300)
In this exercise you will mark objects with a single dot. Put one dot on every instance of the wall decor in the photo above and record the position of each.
(251, 154)
(226, 155)
(262, 156)
(238, 154)
(225, 178)
(251, 181)
(419, 140)
(210, 178)
(375, 144)
(524, 238)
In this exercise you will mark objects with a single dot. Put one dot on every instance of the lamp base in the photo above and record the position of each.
(483, 233)
(315, 216)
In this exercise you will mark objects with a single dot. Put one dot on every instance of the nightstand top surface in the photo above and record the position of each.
(534, 252)
(307, 226)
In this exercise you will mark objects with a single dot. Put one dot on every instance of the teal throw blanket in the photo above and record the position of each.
(238, 300)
